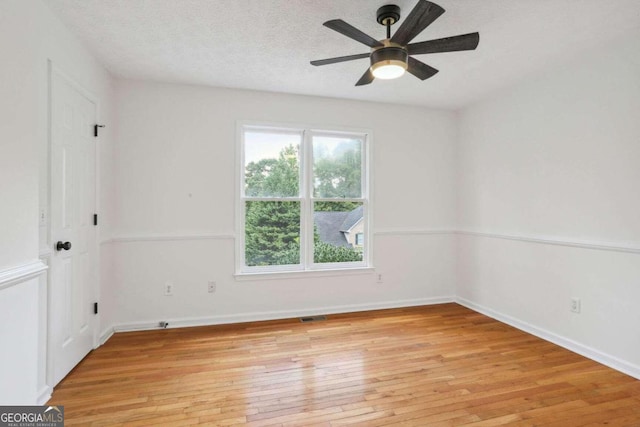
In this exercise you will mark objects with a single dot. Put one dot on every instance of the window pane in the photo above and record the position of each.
(272, 233)
(337, 167)
(271, 164)
(336, 227)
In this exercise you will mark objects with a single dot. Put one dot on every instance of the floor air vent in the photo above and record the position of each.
(312, 319)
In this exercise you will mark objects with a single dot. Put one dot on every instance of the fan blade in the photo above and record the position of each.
(422, 15)
(340, 59)
(352, 32)
(447, 44)
(420, 69)
(366, 78)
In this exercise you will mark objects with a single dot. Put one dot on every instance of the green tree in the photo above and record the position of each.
(324, 252)
(272, 229)
(337, 173)
(274, 177)
(272, 233)
(335, 206)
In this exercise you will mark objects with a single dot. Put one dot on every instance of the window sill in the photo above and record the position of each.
(302, 274)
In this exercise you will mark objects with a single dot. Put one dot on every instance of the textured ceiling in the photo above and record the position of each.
(267, 44)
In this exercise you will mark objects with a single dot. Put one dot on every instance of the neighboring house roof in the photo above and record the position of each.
(352, 219)
(328, 227)
(331, 226)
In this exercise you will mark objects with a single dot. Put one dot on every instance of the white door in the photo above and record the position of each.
(72, 284)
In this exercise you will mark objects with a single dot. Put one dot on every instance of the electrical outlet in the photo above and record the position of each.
(379, 279)
(211, 287)
(168, 289)
(575, 305)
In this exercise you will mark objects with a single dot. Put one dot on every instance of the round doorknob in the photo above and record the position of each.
(63, 245)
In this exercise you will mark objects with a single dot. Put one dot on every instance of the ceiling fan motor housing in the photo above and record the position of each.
(389, 55)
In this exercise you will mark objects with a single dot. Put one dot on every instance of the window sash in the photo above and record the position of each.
(362, 137)
(275, 131)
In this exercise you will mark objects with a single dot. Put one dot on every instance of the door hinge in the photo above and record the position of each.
(95, 308)
(95, 129)
(95, 219)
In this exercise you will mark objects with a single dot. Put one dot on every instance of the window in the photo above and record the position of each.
(303, 200)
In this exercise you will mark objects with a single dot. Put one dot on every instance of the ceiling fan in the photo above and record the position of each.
(391, 57)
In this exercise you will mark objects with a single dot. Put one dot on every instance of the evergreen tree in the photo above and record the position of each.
(272, 233)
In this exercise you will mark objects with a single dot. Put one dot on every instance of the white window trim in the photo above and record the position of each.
(307, 268)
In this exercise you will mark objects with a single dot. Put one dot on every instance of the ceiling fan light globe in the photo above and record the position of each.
(387, 70)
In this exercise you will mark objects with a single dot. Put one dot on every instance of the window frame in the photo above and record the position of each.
(305, 198)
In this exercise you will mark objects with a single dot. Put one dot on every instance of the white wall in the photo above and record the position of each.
(29, 36)
(175, 166)
(556, 162)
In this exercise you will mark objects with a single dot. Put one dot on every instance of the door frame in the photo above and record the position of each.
(55, 70)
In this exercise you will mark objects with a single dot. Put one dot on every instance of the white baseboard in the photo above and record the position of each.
(576, 347)
(105, 335)
(44, 395)
(276, 315)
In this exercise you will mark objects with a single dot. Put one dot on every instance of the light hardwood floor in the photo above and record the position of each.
(439, 365)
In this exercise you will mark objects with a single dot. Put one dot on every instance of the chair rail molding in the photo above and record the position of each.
(21, 273)
(412, 231)
(627, 247)
(168, 237)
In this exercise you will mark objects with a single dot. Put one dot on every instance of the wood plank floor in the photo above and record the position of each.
(441, 365)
